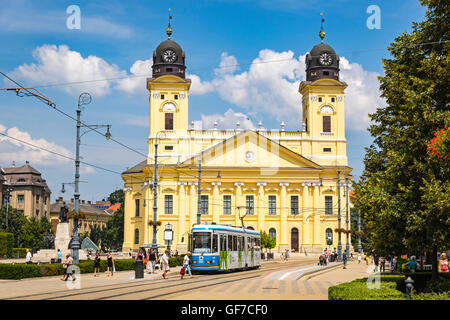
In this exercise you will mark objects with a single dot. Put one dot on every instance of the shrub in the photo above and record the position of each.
(20, 271)
(22, 252)
(358, 290)
(431, 296)
(6, 244)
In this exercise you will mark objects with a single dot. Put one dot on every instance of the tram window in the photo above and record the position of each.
(234, 243)
(239, 246)
(214, 244)
(249, 244)
(202, 242)
(230, 243)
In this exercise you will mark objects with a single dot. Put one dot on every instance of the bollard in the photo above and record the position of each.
(139, 269)
(409, 285)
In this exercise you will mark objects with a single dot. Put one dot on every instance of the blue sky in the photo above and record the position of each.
(117, 39)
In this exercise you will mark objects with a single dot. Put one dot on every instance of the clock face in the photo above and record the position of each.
(169, 56)
(250, 156)
(325, 59)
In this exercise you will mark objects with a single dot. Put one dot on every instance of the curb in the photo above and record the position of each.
(313, 272)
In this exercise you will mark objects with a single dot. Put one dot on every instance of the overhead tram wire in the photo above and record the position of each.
(58, 154)
(53, 105)
(224, 67)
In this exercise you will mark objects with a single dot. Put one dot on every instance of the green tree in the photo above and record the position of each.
(267, 241)
(403, 193)
(16, 219)
(117, 197)
(33, 232)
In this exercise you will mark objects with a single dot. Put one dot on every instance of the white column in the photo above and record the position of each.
(283, 213)
(306, 210)
(316, 213)
(239, 203)
(215, 202)
(261, 210)
(181, 209)
(193, 204)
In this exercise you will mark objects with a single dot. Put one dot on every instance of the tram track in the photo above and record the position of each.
(172, 286)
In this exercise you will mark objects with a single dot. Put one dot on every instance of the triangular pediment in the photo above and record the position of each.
(250, 149)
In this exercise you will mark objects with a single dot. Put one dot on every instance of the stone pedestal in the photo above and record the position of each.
(62, 237)
(182, 248)
(311, 248)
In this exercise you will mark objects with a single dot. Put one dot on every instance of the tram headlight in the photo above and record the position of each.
(194, 262)
(208, 261)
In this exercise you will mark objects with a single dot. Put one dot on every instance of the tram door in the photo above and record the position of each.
(223, 253)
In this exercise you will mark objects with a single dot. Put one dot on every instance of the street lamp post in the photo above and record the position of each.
(199, 189)
(347, 246)
(83, 99)
(155, 193)
(7, 197)
(359, 232)
(339, 216)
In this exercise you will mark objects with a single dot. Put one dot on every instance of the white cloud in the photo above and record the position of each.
(270, 87)
(85, 169)
(228, 64)
(13, 150)
(59, 64)
(226, 121)
(139, 69)
(199, 87)
(362, 95)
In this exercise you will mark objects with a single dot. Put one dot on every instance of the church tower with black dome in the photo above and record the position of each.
(323, 113)
(168, 89)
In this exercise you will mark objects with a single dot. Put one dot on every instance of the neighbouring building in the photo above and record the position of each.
(29, 191)
(284, 182)
(2, 181)
(94, 215)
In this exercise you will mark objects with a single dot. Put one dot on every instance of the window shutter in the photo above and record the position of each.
(326, 123)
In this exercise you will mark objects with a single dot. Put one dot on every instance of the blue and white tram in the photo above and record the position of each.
(223, 247)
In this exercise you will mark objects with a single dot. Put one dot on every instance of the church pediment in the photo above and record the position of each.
(251, 150)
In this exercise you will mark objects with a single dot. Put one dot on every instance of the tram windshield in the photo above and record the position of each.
(202, 242)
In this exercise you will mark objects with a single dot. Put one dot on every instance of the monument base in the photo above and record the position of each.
(182, 248)
(311, 248)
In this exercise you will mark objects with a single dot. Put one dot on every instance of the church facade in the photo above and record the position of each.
(282, 182)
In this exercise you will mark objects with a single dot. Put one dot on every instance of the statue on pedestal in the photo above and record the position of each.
(63, 213)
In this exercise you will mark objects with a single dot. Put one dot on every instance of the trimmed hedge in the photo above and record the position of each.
(358, 290)
(176, 261)
(431, 296)
(21, 271)
(6, 244)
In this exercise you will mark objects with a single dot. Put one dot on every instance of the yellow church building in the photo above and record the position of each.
(282, 182)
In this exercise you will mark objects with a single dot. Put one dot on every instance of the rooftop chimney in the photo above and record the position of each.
(82, 201)
(14, 164)
(71, 200)
(89, 202)
(60, 199)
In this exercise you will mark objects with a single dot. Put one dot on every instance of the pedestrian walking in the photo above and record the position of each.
(186, 265)
(376, 262)
(59, 255)
(28, 257)
(129, 252)
(359, 258)
(96, 264)
(394, 264)
(152, 260)
(443, 263)
(382, 264)
(412, 264)
(165, 263)
(367, 260)
(344, 259)
(110, 264)
(140, 255)
(287, 254)
(68, 266)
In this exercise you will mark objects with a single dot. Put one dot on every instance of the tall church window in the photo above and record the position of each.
(272, 205)
(328, 205)
(326, 123)
(249, 204)
(226, 204)
(137, 207)
(204, 205)
(294, 205)
(136, 236)
(168, 121)
(329, 236)
(272, 233)
(168, 204)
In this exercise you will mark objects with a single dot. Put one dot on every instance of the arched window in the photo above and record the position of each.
(136, 236)
(251, 228)
(329, 236)
(272, 233)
